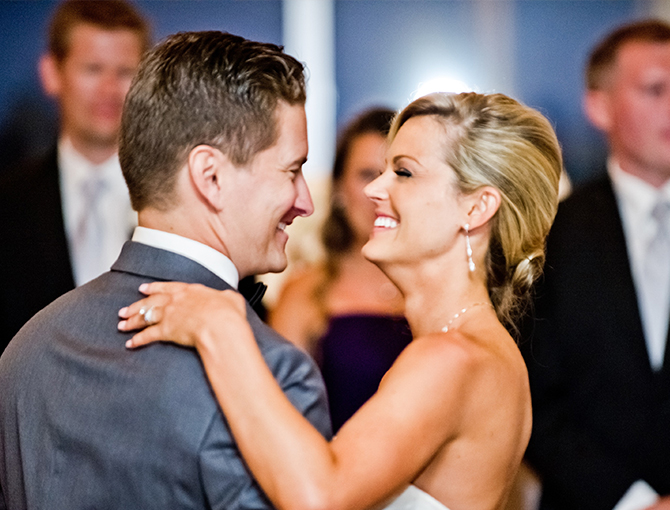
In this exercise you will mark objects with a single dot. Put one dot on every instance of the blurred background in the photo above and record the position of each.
(361, 53)
(364, 52)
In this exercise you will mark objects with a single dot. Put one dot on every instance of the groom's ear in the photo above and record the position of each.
(483, 204)
(207, 167)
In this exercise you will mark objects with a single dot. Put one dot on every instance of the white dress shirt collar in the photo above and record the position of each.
(637, 195)
(76, 168)
(636, 199)
(198, 252)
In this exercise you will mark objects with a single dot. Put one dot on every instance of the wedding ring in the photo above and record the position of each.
(148, 315)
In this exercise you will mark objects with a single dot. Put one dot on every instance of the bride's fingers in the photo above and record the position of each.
(149, 289)
(148, 315)
(156, 298)
(142, 313)
(144, 337)
(137, 307)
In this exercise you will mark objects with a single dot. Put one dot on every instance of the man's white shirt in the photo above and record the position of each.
(117, 215)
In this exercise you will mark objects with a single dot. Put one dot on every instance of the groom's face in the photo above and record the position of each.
(270, 192)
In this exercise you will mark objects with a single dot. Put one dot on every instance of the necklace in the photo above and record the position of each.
(446, 328)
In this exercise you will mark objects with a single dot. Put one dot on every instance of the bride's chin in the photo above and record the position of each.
(368, 251)
(373, 255)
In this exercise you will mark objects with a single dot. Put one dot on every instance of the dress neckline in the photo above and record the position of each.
(414, 498)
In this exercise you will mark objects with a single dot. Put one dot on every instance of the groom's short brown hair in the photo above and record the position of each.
(197, 88)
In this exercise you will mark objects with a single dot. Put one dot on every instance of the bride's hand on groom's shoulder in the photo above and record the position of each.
(186, 314)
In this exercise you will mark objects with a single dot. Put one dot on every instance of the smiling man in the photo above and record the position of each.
(213, 140)
(66, 214)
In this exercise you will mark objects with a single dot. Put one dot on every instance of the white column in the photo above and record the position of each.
(309, 36)
(495, 35)
(658, 9)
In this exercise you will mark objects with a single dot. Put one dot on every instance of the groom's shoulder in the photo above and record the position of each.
(273, 346)
(91, 305)
(296, 372)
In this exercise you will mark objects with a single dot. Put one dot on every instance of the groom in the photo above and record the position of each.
(212, 145)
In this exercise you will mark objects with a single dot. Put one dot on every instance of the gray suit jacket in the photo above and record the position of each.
(85, 423)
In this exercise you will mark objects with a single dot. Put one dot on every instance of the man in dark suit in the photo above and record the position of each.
(596, 354)
(55, 234)
(213, 141)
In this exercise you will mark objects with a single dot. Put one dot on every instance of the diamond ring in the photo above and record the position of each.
(148, 315)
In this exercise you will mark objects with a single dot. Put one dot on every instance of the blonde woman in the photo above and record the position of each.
(463, 207)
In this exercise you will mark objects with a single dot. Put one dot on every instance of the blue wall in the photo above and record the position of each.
(554, 40)
(23, 27)
(383, 49)
(385, 46)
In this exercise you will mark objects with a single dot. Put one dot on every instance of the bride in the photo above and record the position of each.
(463, 207)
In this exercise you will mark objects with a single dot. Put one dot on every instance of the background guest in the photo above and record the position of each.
(345, 311)
(64, 216)
(597, 356)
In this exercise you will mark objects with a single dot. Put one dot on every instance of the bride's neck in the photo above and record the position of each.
(433, 296)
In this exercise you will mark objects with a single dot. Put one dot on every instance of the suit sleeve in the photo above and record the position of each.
(227, 481)
(297, 374)
(302, 383)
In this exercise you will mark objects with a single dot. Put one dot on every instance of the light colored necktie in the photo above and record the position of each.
(657, 285)
(90, 230)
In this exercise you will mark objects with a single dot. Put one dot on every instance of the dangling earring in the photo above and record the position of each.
(468, 248)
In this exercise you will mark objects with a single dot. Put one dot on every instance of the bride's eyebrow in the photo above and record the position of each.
(404, 156)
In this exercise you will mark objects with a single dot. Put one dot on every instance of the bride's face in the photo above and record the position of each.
(419, 210)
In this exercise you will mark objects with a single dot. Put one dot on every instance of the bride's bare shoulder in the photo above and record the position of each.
(443, 358)
(455, 358)
(451, 348)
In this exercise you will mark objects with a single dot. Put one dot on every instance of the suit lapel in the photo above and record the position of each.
(60, 242)
(43, 245)
(605, 253)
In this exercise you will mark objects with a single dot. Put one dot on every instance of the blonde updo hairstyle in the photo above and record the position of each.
(492, 140)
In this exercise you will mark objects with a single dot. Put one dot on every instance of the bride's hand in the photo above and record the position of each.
(182, 313)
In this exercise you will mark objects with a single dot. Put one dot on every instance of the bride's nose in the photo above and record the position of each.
(377, 189)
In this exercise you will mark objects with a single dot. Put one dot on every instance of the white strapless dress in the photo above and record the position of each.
(415, 499)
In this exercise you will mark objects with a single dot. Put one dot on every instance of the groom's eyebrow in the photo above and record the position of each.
(296, 163)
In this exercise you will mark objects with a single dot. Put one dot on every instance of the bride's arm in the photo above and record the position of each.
(376, 454)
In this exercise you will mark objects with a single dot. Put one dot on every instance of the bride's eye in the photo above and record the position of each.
(403, 172)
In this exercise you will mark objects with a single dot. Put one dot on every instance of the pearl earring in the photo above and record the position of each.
(468, 248)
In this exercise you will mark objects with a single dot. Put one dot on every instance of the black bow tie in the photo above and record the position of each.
(255, 293)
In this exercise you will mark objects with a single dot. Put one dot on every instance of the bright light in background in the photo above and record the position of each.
(441, 84)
